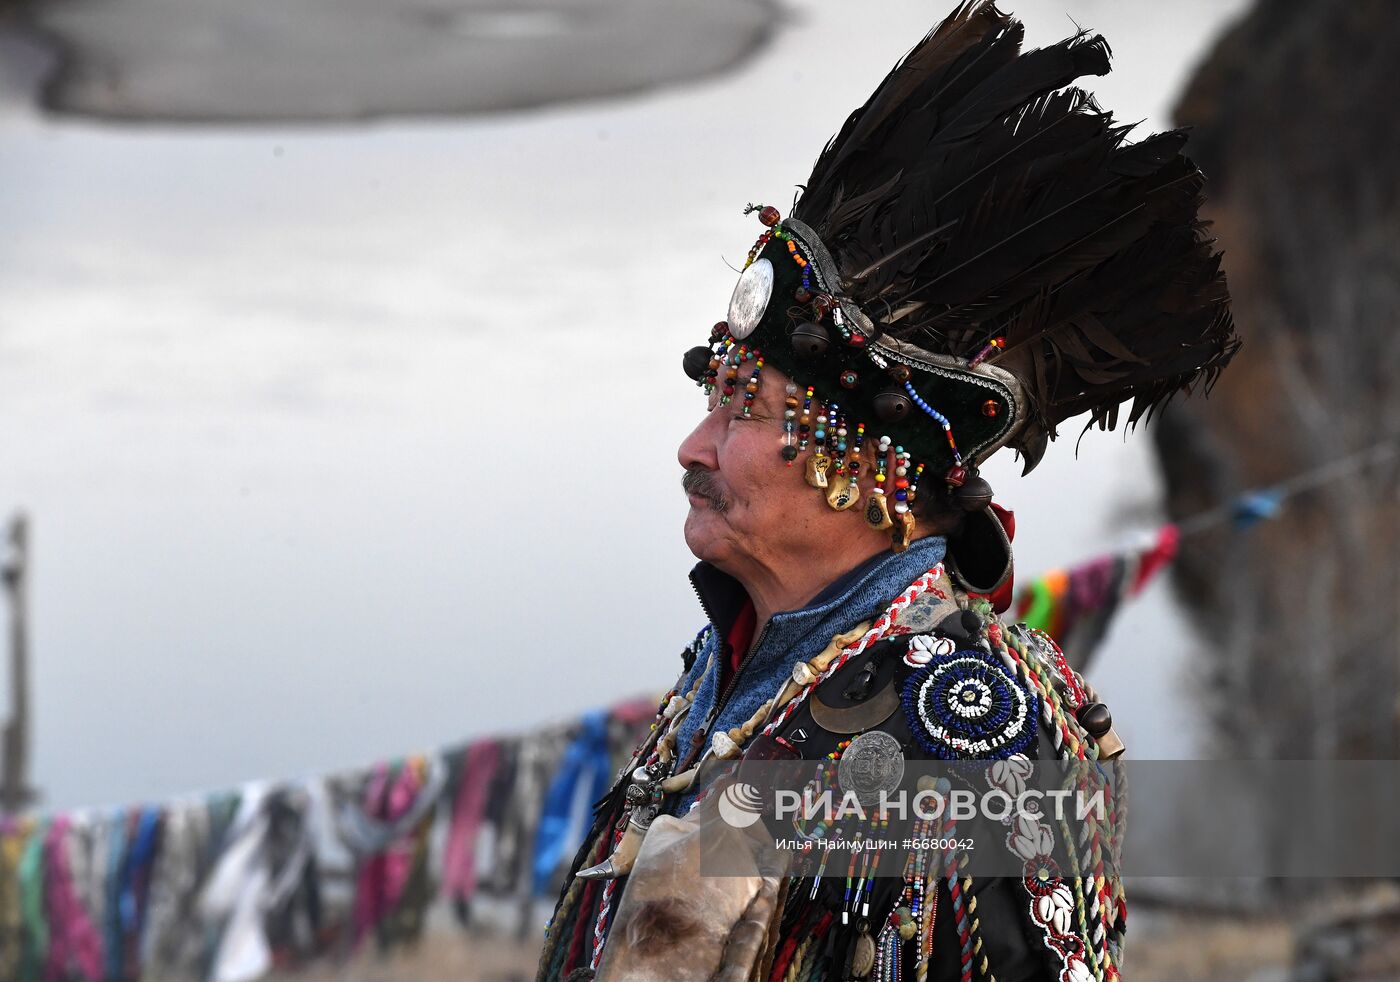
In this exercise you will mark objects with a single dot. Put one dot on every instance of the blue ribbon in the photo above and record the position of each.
(135, 873)
(587, 755)
(1256, 506)
(112, 924)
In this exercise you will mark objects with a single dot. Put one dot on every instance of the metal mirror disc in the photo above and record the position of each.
(750, 299)
(871, 764)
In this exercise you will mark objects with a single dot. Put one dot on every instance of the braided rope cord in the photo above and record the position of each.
(848, 650)
(565, 930)
(794, 969)
(877, 631)
(1095, 918)
(557, 953)
(561, 924)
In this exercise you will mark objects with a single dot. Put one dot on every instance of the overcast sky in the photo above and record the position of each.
(345, 443)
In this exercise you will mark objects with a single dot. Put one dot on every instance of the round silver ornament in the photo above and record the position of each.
(872, 764)
(750, 299)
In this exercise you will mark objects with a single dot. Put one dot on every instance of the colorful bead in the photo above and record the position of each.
(937, 416)
(992, 346)
(804, 428)
(751, 387)
(856, 451)
(757, 247)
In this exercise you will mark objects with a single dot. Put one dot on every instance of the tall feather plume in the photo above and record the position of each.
(978, 194)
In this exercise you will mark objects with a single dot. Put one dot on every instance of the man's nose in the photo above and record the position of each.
(698, 449)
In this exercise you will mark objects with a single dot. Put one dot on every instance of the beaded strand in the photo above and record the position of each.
(804, 428)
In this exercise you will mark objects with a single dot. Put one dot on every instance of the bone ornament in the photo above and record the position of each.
(877, 512)
(722, 745)
(619, 864)
(814, 669)
(674, 706)
(862, 954)
(729, 745)
(639, 796)
(681, 781)
(817, 466)
(843, 493)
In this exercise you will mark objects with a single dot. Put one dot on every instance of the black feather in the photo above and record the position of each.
(978, 194)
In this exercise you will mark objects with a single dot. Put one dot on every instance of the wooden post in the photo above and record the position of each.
(15, 792)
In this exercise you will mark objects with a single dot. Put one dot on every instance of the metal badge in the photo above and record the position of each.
(873, 764)
(750, 299)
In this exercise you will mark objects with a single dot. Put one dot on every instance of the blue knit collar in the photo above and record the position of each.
(860, 594)
(722, 596)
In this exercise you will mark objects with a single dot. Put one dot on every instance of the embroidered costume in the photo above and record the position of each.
(979, 254)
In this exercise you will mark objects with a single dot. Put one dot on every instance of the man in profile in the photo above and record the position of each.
(978, 255)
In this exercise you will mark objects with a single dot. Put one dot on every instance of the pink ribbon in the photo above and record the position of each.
(73, 941)
(479, 765)
(383, 877)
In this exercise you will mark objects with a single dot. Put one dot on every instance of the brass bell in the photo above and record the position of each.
(1095, 718)
(974, 494)
(697, 361)
(1098, 723)
(810, 340)
(892, 405)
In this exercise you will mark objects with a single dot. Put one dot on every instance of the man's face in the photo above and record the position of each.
(747, 505)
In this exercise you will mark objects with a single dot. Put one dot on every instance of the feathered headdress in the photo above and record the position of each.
(980, 254)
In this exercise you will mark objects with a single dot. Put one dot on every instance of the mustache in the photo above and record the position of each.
(699, 481)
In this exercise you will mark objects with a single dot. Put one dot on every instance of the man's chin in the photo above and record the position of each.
(701, 532)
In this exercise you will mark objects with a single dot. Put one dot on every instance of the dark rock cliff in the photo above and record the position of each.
(1293, 116)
